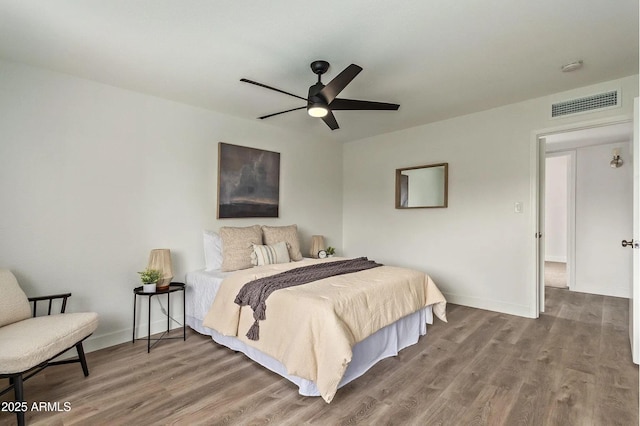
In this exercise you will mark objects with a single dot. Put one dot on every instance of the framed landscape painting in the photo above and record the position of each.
(248, 182)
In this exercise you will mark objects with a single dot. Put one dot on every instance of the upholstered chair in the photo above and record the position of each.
(29, 344)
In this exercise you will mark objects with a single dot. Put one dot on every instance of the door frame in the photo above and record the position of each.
(634, 301)
(536, 226)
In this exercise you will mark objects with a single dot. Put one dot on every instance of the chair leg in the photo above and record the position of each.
(19, 394)
(83, 360)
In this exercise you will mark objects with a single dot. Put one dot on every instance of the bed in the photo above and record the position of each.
(210, 311)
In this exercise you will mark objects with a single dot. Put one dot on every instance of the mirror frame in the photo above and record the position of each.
(426, 166)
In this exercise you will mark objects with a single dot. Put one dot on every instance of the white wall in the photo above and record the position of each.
(603, 219)
(556, 208)
(478, 250)
(92, 177)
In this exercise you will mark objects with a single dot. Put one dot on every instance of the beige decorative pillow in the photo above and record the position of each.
(268, 255)
(14, 305)
(237, 246)
(288, 234)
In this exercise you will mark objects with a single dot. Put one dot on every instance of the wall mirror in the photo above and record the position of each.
(422, 186)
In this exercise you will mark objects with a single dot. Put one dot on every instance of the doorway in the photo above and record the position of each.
(586, 209)
(559, 217)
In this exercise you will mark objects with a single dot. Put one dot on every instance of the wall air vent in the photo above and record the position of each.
(592, 103)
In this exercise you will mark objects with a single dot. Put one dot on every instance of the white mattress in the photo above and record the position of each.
(202, 287)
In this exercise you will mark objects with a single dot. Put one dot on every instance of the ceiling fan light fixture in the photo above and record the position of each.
(317, 110)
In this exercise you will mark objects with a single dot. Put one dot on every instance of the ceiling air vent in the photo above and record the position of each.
(587, 104)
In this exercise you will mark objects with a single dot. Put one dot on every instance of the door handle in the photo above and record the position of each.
(626, 243)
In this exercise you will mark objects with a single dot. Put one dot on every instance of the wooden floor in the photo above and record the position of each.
(570, 367)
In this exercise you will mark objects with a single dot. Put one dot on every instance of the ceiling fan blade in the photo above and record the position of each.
(281, 112)
(335, 86)
(244, 80)
(330, 119)
(354, 104)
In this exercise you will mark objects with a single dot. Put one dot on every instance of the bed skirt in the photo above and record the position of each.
(385, 343)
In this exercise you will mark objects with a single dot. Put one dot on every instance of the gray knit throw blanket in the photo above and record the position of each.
(256, 292)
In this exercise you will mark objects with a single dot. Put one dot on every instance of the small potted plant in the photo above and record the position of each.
(330, 251)
(149, 278)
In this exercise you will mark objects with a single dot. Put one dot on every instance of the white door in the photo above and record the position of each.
(603, 218)
(634, 301)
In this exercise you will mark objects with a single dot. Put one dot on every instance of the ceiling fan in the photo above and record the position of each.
(322, 100)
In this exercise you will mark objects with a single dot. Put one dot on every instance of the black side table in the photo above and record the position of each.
(173, 287)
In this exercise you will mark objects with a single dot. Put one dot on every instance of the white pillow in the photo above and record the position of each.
(268, 255)
(212, 250)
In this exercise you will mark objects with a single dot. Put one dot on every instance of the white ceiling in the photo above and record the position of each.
(436, 58)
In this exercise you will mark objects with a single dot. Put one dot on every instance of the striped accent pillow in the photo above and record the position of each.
(268, 255)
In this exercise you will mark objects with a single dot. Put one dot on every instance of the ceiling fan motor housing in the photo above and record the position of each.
(314, 95)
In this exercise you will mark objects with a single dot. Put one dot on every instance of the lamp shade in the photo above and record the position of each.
(160, 259)
(317, 244)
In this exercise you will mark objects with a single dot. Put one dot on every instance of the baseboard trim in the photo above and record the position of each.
(97, 342)
(611, 291)
(490, 305)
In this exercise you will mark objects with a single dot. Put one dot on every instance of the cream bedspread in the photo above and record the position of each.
(312, 328)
